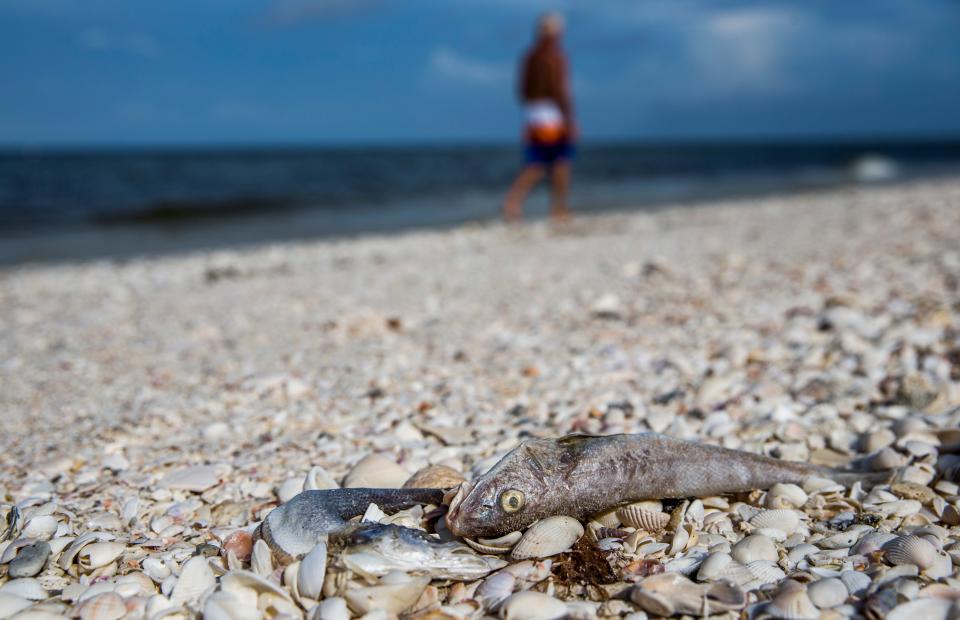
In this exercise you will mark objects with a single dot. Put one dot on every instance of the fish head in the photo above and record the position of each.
(520, 489)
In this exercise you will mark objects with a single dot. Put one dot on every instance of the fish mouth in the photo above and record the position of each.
(453, 512)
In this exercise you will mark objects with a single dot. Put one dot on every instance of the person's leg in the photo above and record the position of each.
(513, 203)
(561, 187)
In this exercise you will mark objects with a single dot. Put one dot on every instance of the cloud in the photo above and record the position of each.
(449, 64)
(137, 44)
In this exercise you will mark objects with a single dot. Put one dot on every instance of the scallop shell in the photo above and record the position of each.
(196, 577)
(827, 593)
(548, 537)
(393, 598)
(99, 554)
(785, 520)
(527, 605)
(792, 603)
(754, 547)
(105, 606)
(313, 570)
(434, 477)
(376, 471)
(910, 549)
(856, 582)
(641, 516)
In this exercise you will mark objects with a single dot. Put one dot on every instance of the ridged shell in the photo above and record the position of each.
(196, 577)
(641, 517)
(765, 572)
(393, 598)
(502, 544)
(785, 520)
(754, 547)
(313, 570)
(548, 537)
(99, 554)
(872, 542)
(827, 593)
(434, 477)
(792, 603)
(376, 471)
(856, 582)
(910, 549)
(105, 606)
(529, 605)
(26, 587)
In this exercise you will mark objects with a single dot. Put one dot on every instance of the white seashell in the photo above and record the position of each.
(754, 547)
(713, 567)
(393, 598)
(494, 546)
(99, 554)
(872, 542)
(289, 489)
(197, 478)
(135, 583)
(910, 549)
(679, 541)
(529, 605)
(249, 585)
(274, 606)
(318, 479)
(827, 593)
(647, 516)
(942, 567)
(155, 568)
(261, 559)
(856, 582)
(495, 588)
(26, 587)
(785, 520)
(39, 614)
(783, 495)
(104, 606)
(925, 608)
(130, 510)
(227, 606)
(70, 552)
(376, 471)
(313, 570)
(333, 608)
(607, 518)
(11, 604)
(548, 537)
(196, 578)
(792, 603)
(841, 540)
(800, 553)
(765, 572)
(41, 527)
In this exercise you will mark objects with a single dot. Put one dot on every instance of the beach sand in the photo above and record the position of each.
(817, 327)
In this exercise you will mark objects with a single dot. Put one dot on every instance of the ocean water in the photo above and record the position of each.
(90, 203)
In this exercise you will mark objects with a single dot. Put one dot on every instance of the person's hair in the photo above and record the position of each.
(550, 25)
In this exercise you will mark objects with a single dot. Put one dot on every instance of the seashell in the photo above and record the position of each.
(130, 510)
(856, 582)
(800, 553)
(69, 554)
(942, 567)
(11, 604)
(274, 606)
(667, 594)
(900, 508)
(227, 606)
(144, 585)
(886, 459)
(910, 549)
(318, 479)
(791, 602)
(197, 478)
(827, 593)
(640, 516)
(785, 520)
(926, 608)
(529, 605)
(99, 554)
(41, 527)
(393, 598)
(765, 572)
(434, 477)
(104, 606)
(196, 578)
(261, 559)
(688, 562)
(608, 518)
(502, 544)
(246, 585)
(313, 571)
(240, 543)
(376, 471)
(754, 547)
(841, 540)
(333, 608)
(679, 541)
(815, 485)
(155, 568)
(713, 567)
(289, 489)
(548, 537)
(782, 495)
(495, 588)
(39, 614)
(25, 587)
(872, 542)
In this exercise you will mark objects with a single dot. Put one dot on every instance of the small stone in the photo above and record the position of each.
(30, 560)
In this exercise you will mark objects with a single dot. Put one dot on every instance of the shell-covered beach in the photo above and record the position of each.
(154, 411)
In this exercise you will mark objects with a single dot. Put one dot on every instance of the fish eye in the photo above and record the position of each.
(511, 500)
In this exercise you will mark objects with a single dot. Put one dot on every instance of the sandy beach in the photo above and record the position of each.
(821, 327)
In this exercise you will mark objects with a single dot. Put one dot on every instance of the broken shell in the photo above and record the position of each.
(827, 593)
(333, 608)
(872, 542)
(289, 489)
(240, 543)
(785, 520)
(502, 544)
(667, 594)
(104, 606)
(434, 477)
(648, 516)
(713, 566)
(782, 495)
(910, 549)
(495, 588)
(313, 570)
(754, 547)
(155, 568)
(792, 603)
(376, 471)
(196, 577)
(41, 527)
(261, 559)
(227, 606)
(548, 537)
(394, 598)
(529, 605)
(318, 479)
(99, 554)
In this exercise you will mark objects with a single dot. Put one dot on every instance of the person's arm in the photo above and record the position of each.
(564, 96)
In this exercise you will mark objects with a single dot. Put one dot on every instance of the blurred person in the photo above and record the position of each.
(550, 131)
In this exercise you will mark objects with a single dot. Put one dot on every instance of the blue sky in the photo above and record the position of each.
(306, 71)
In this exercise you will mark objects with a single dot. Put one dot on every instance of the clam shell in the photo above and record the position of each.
(333, 608)
(754, 547)
(105, 606)
(289, 489)
(607, 518)
(503, 544)
(227, 606)
(313, 570)
(10, 604)
(792, 603)
(196, 577)
(26, 587)
(548, 537)
(246, 584)
(785, 520)
(434, 477)
(41, 527)
(872, 542)
(376, 471)
(910, 549)
(99, 554)
(641, 517)
(827, 593)
(393, 598)
(529, 605)
(782, 495)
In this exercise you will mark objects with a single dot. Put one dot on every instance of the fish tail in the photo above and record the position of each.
(847, 477)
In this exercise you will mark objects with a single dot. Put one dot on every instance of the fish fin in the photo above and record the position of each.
(868, 479)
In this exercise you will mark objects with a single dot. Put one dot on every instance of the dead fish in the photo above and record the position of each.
(580, 475)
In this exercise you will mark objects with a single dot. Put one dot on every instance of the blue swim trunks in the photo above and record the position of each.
(548, 154)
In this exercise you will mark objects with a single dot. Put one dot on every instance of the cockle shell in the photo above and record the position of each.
(393, 598)
(196, 577)
(910, 549)
(104, 606)
(785, 520)
(765, 572)
(376, 471)
(872, 542)
(647, 516)
(754, 547)
(792, 602)
(827, 593)
(99, 554)
(548, 537)
(529, 605)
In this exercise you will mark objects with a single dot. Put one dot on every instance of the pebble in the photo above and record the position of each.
(30, 560)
